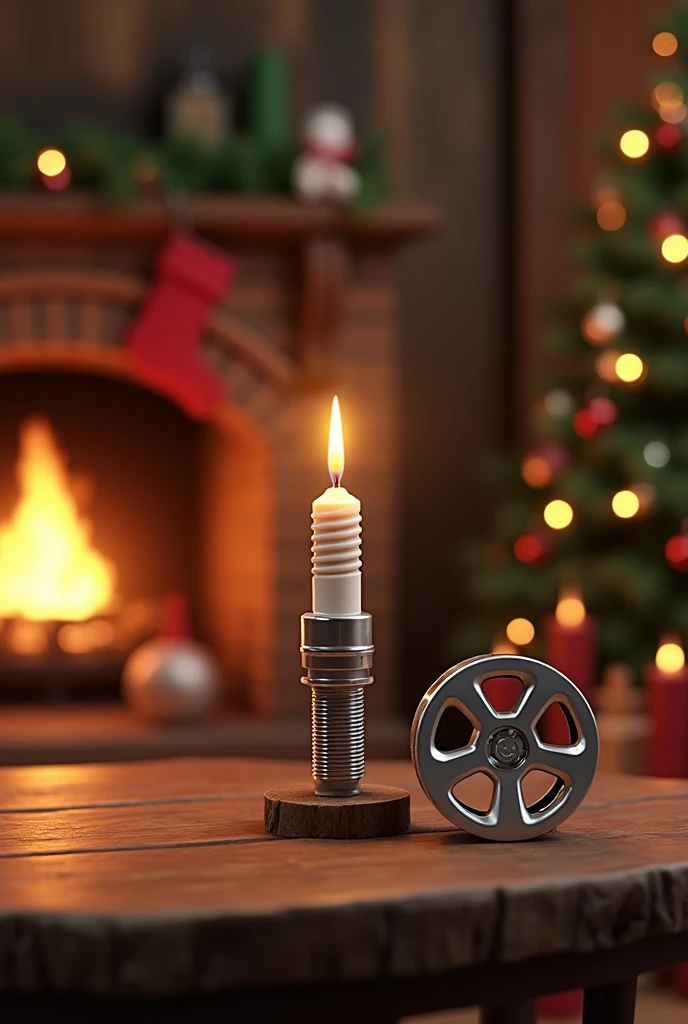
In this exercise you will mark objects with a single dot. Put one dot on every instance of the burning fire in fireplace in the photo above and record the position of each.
(57, 591)
(49, 568)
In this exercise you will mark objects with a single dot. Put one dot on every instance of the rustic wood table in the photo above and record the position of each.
(129, 892)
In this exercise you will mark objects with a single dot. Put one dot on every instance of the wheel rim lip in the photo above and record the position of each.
(429, 713)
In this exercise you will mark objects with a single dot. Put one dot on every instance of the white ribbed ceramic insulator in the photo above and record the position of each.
(337, 560)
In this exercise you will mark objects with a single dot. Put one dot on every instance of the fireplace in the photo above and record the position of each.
(215, 507)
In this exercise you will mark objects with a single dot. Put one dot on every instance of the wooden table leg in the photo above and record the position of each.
(611, 1004)
(510, 1013)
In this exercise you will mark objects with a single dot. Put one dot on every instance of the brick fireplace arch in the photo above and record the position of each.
(313, 310)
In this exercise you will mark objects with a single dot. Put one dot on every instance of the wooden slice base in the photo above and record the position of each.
(295, 812)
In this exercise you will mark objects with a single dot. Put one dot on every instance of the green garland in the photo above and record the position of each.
(120, 168)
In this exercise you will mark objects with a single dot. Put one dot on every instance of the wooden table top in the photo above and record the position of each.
(157, 878)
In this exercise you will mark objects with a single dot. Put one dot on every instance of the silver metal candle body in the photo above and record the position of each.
(337, 655)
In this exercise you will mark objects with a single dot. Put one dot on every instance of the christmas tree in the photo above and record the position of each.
(599, 500)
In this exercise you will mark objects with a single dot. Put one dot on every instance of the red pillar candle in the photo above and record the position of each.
(570, 647)
(667, 687)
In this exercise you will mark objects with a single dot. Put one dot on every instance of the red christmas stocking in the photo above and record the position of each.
(191, 278)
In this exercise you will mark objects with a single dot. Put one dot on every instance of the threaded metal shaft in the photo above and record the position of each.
(337, 740)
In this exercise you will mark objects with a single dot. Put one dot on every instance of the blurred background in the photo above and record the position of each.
(481, 247)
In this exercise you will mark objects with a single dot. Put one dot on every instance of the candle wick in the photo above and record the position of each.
(336, 479)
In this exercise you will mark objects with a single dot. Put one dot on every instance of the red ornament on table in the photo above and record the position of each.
(570, 647)
(192, 276)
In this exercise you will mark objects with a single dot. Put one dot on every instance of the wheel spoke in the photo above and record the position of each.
(560, 761)
(508, 810)
(475, 704)
(445, 770)
(535, 700)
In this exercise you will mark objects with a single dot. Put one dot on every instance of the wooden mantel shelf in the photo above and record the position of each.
(25, 214)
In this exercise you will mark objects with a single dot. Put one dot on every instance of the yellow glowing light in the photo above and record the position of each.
(51, 162)
(570, 609)
(335, 448)
(48, 569)
(520, 632)
(634, 143)
(670, 657)
(675, 248)
(536, 471)
(558, 514)
(625, 504)
(628, 367)
(611, 215)
(665, 44)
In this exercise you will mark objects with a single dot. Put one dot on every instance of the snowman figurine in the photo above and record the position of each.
(323, 172)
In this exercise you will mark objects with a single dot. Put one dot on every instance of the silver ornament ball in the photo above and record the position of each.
(172, 680)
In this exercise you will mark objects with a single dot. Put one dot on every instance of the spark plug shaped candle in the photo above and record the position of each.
(336, 637)
(337, 658)
(336, 536)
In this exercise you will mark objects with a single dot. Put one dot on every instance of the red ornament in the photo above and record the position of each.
(529, 548)
(669, 135)
(585, 424)
(192, 276)
(603, 411)
(666, 223)
(676, 551)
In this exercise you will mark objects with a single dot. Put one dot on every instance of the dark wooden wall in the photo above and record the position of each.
(431, 73)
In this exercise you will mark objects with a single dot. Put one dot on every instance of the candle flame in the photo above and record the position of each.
(335, 450)
(670, 656)
(570, 609)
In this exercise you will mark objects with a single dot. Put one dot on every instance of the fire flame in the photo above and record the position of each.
(335, 451)
(48, 568)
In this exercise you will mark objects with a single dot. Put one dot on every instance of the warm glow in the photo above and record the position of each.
(536, 471)
(570, 609)
(665, 44)
(558, 514)
(667, 94)
(611, 215)
(629, 367)
(626, 504)
(48, 569)
(335, 449)
(605, 365)
(51, 162)
(502, 645)
(634, 143)
(670, 657)
(83, 637)
(520, 631)
(675, 248)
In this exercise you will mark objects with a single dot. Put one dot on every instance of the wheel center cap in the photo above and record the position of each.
(507, 748)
